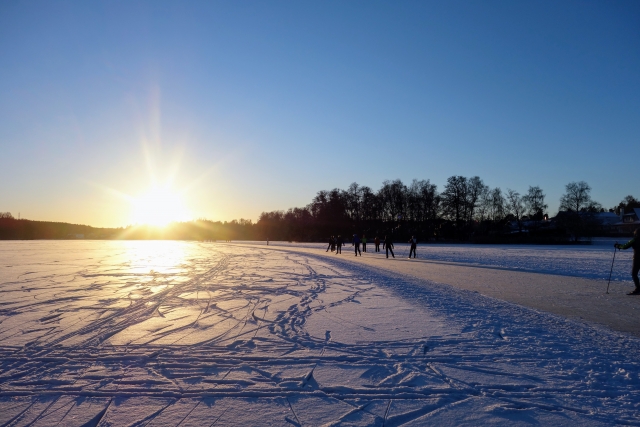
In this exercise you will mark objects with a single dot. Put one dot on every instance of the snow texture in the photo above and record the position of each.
(203, 334)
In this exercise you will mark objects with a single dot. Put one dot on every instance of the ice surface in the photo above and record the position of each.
(193, 334)
(589, 261)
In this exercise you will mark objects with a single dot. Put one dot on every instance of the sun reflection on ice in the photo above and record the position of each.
(149, 267)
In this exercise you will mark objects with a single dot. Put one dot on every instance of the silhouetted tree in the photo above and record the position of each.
(497, 204)
(353, 202)
(483, 210)
(578, 219)
(475, 190)
(515, 206)
(423, 201)
(454, 199)
(370, 204)
(627, 204)
(534, 203)
(577, 197)
(393, 199)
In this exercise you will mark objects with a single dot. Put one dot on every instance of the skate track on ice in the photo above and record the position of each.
(178, 333)
(578, 293)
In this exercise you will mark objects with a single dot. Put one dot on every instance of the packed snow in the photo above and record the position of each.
(199, 334)
(591, 261)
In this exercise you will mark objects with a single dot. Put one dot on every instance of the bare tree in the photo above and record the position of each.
(353, 201)
(369, 203)
(577, 197)
(422, 201)
(475, 188)
(483, 211)
(454, 198)
(414, 207)
(534, 203)
(392, 195)
(627, 203)
(497, 204)
(429, 199)
(515, 206)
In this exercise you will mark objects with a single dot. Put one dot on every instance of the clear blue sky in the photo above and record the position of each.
(255, 106)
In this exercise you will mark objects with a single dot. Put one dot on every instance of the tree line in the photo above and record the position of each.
(200, 229)
(466, 210)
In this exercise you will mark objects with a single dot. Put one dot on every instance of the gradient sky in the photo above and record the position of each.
(255, 106)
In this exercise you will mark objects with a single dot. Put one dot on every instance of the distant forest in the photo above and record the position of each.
(465, 210)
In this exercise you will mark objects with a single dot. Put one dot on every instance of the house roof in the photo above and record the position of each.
(607, 218)
(636, 221)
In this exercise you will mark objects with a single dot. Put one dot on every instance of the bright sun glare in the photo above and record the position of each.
(159, 207)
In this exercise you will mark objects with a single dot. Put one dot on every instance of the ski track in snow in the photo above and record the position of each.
(203, 334)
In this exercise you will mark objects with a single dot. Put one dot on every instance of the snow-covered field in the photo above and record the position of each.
(200, 334)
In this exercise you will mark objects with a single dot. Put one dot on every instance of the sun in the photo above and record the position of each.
(159, 207)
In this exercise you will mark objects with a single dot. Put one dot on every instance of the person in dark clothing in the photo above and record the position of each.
(356, 243)
(339, 245)
(388, 244)
(364, 243)
(413, 242)
(332, 243)
(376, 241)
(635, 268)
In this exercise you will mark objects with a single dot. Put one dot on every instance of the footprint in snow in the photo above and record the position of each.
(500, 333)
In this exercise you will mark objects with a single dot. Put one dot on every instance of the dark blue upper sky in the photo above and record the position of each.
(253, 106)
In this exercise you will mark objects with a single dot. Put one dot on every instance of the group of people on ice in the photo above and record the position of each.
(336, 243)
(360, 245)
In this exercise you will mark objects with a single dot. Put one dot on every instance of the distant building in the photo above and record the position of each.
(629, 221)
(606, 219)
(587, 223)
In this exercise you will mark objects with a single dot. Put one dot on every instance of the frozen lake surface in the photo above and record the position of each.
(589, 261)
(198, 334)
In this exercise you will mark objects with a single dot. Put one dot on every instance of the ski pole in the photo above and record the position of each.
(615, 249)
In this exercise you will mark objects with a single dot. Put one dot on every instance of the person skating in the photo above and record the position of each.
(635, 268)
(332, 243)
(388, 244)
(339, 245)
(376, 241)
(356, 244)
(364, 243)
(413, 242)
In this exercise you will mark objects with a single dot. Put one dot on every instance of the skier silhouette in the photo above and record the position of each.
(388, 244)
(413, 242)
(635, 268)
(356, 243)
